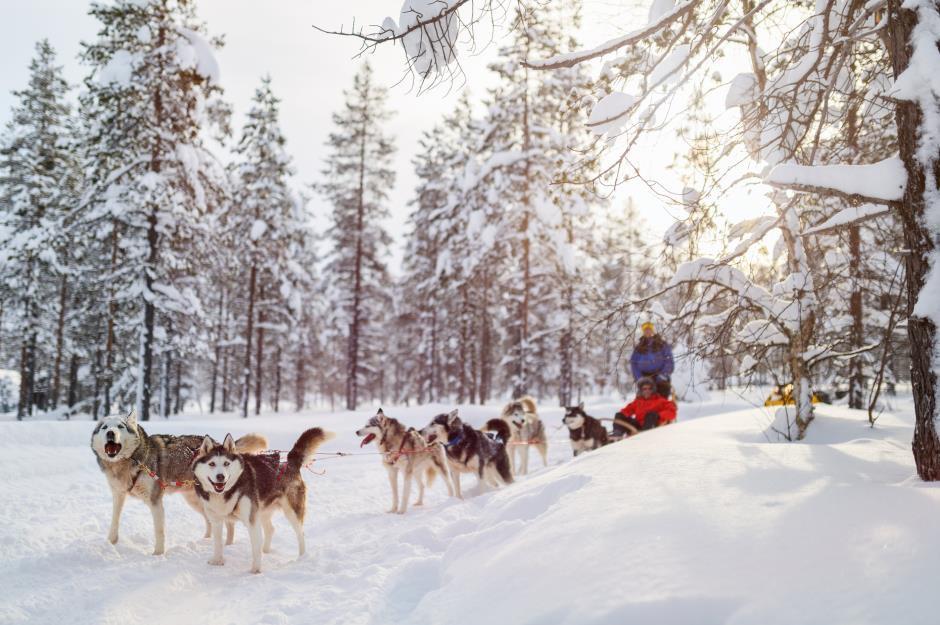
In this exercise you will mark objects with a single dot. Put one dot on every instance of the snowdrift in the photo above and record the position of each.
(705, 521)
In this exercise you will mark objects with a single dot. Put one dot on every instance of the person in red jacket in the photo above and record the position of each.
(647, 411)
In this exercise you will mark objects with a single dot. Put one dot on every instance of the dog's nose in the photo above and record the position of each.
(219, 477)
(110, 435)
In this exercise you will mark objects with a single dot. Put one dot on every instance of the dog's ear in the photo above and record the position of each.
(452, 416)
(206, 447)
(131, 419)
(380, 413)
(229, 444)
(581, 406)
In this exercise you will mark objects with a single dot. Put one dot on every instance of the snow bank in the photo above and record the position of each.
(705, 521)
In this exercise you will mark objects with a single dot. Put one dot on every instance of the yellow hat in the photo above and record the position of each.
(648, 324)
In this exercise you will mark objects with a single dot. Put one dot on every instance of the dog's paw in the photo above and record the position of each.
(217, 561)
(113, 538)
(256, 569)
(392, 511)
(418, 503)
(158, 551)
(266, 550)
(401, 511)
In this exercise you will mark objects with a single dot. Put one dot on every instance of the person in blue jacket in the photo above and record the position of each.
(652, 358)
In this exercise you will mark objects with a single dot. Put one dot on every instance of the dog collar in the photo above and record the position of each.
(455, 441)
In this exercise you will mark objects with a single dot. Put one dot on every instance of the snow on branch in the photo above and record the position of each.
(879, 183)
(849, 216)
(570, 59)
(429, 31)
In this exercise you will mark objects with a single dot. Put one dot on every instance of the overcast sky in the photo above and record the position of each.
(309, 70)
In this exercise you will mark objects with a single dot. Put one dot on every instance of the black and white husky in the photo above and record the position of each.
(586, 432)
(469, 451)
(527, 431)
(248, 488)
(147, 466)
(405, 450)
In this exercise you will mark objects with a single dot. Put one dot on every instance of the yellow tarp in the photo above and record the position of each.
(784, 396)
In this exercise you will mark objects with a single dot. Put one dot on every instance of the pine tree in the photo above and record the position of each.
(261, 213)
(39, 183)
(532, 126)
(149, 99)
(358, 177)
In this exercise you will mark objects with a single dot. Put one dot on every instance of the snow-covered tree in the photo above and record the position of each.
(263, 215)
(357, 179)
(39, 181)
(148, 102)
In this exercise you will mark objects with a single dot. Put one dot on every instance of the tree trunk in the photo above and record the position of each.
(300, 390)
(218, 353)
(22, 407)
(486, 368)
(178, 400)
(59, 340)
(259, 359)
(96, 402)
(73, 384)
(167, 362)
(463, 348)
(277, 378)
(521, 382)
(109, 329)
(225, 379)
(857, 374)
(922, 332)
(430, 361)
(249, 330)
(147, 337)
(352, 350)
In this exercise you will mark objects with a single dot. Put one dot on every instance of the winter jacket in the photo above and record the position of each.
(640, 407)
(652, 357)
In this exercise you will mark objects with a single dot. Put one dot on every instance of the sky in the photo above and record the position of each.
(309, 71)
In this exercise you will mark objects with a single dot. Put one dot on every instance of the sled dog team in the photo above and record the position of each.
(236, 481)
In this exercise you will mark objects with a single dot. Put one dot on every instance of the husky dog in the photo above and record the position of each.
(406, 451)
(127, 455)
(585, 431)
(249, 488)
(469, 451)
(527, 430)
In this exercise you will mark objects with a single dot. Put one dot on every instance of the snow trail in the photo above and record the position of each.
(703, 521)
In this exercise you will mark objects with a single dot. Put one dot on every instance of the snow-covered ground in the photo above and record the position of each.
(701, 522)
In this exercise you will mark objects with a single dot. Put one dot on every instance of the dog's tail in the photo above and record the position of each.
(500, 427)
(251, 444)
(302, 451)
(503, 467)
(528, 405)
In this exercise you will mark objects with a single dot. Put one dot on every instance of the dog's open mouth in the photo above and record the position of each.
(368, 439)
(218, 486)
(112, 449)
(432, 438)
